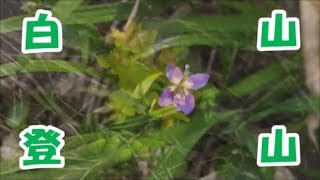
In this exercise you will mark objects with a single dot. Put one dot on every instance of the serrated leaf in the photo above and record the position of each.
(144, 86)
(103, 62)
(143, 42)
(123, 102)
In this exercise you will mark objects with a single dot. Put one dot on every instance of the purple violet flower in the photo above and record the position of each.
(179, 94)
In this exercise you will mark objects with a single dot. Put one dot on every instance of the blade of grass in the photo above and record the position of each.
(30, 66)
(303, 104)
(262, 78)
(91, 14)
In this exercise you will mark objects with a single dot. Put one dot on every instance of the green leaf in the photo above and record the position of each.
(233, 163)
(302, 104)
(103, 61)
(85, 45)
(207, 96)
(18, 116)
(218, 30)
(130, 76)
(74, 142)
(144, 86)
(309, 172)
(262, 78)
(123, 102)
(169, 112)
(93, 148)
(90, 14)
(205, 24)
(143, 41)
(209, 39)
(87, 157)
(59, 8)
(247, 139)
(31, 66)
(181, 139)
(164, 112)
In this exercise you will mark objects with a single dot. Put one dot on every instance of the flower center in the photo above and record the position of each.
(179, 93)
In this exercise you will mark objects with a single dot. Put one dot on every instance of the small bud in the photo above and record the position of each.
(186, 70)
(114, 140)
(124, 155)
(186, 67)
(136, 146)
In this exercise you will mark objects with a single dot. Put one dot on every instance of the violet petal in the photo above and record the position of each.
(186, 104)
(166, 97)
(196, 81)
(174, 74)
